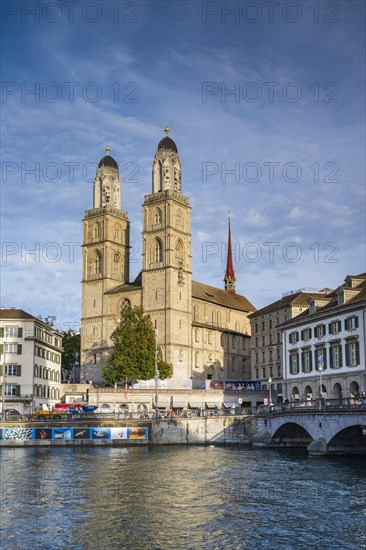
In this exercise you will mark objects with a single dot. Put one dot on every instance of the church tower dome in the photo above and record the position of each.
(107, 185)
(167, 144)
(167, 172)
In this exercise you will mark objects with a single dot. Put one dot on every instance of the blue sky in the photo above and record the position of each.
(284, 151)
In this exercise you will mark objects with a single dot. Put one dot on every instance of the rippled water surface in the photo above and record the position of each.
(180, 497)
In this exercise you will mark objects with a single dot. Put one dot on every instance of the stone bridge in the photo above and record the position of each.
(322, 432)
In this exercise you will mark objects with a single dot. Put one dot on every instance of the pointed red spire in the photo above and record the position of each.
(229, 275)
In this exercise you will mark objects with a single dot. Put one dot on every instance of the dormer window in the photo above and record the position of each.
(340, 297)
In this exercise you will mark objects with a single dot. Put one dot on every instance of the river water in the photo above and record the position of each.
(178, 497)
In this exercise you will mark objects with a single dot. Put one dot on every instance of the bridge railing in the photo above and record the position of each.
(319, 404)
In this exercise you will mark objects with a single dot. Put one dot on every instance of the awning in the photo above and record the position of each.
(163, 402)
(138, 398)
(229, 405)
(179, 404)
(211, 405)
(195, 405)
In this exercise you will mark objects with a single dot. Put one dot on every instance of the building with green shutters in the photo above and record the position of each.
(30, 367)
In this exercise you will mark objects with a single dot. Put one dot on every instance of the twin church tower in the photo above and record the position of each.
(197, 324)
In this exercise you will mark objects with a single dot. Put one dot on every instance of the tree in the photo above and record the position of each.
(133, 357)
(70, 361)
(49, 320)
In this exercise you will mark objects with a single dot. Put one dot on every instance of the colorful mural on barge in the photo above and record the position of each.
(26, 434)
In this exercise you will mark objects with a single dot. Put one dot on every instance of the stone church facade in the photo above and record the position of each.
(202, 330)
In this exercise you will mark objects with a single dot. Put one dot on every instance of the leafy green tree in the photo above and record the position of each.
(133, 357)
(70, 361)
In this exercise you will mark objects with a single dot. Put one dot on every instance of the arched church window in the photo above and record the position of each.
(158, 251)
(116, 265)
(125, 304)
(179, 217)
(237, 326)
(97, 230)
(179, 256)
(117, 231)
(195, 313)
(196, 359)
(158, 216)
(160, 176)
(218, 318)
(98, 263)
(176, 179)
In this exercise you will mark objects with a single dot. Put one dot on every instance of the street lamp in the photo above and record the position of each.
(270, 391)
(320, 369)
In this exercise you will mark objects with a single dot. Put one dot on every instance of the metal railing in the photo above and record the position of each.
(320, 404)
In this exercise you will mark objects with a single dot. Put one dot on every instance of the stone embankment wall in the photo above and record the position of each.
(211, 430)
(233, 430)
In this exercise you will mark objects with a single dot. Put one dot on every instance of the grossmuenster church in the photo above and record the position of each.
(203, 331)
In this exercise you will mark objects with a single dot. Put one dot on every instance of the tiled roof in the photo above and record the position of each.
(125, 287)
(221, 297)
(13, 313)
(297, 298)
(333, 303)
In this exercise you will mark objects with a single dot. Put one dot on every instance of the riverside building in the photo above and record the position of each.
(324, 346)
(266, 341)
(30, 362)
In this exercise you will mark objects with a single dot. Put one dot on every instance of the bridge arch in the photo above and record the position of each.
(347, 441)
(291, 434)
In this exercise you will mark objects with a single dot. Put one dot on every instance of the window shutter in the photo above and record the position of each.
(356, 321)
(1, 348)
(316, 355)
(330, 328)
(325, 358)
(17, 390)
(357, 353)
(1, 332)
(1, 370)
(309, 333)
(303, 361)
(19, 370)
(19, 352)
(20, 332)
(331, 357)
(310, 361)
(346, 324)
(340, 356)
(302, 335)
(339, 326)
(297, 336)
(315, 332)
(348, 355)
(1, 389)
